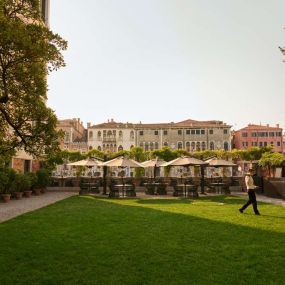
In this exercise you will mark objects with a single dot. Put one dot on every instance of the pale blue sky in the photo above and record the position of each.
(170, 60)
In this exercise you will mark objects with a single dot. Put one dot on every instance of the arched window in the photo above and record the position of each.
(192, 146)
(146, 146)
(151, 145)
(98, 134)
(226, 146)
(212, 146)
(180, 145)
(99, 148)
(120, 148)
(156, 145)
(165, 143)
(203, 146)
(141, 145)
(109, 133)
(132, 135)
(188, 146)
(90, 135)
(120, 134)
(198, 146)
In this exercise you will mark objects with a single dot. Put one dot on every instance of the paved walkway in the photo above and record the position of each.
(18, 207)
(262, 198)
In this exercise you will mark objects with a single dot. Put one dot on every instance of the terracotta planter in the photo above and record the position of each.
(37, 191)
(43, 190)
(28, 193)
(6, 197)
(18, 195)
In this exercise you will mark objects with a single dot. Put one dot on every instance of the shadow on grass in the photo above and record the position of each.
(94, 241)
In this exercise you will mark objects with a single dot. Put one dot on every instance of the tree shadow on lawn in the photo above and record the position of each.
(84, 240)
(216, 199)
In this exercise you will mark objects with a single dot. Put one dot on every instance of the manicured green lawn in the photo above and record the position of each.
(84, 240)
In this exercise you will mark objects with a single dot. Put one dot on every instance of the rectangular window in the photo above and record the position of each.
(165, 132)
(198, 132)
(254, 134)
(193, 132)
(278, 143)
(271, 134)
(211, 132)
(141, 133)
(202, 132)
(156, 133)
(260, 144)
(265, 144)
(278, 134)
(225, 132)
(187, 132)
(179, 132)
(244, 134)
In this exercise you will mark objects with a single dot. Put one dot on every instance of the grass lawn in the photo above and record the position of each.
(87, 240)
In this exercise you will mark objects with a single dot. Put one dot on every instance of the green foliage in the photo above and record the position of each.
(21, 183)
(138, 154)
(95, 153)
(33, 179)
(28, 52)
(43, 178)
(272, 159)
(7, 176)
(165, 153)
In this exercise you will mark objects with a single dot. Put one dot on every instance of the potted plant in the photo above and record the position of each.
(7, 176)
(33, 181)
(43, 178)
(21, 184)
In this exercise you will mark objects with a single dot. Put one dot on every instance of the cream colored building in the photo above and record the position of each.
(111, 136)
(190, 135)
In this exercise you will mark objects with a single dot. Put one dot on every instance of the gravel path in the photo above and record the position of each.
(18, 207)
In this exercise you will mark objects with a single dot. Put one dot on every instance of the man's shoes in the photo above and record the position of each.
(258, 214)
(241, 211)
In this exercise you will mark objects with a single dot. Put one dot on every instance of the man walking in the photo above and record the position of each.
(251, 194)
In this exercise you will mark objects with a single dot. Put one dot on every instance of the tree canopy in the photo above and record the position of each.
(29, 51)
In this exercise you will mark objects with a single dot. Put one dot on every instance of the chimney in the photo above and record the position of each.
(88, 125)
(267, 125)
(277, 125)
(112, 120)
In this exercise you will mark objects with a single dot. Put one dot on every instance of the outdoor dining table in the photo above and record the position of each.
(123, 188)
(186, 187)
(218, 186)
(155, 184)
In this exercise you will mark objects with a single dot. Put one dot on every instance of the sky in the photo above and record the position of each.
(159, 61)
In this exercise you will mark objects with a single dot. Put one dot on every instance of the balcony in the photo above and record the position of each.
(110, 139)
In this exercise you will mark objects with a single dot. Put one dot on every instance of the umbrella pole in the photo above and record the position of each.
(105, 177)
(202, 180)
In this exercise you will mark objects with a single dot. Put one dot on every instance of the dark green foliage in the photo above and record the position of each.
(28, 52)
(7, 176)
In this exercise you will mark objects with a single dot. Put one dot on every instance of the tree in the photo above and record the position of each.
(28, 52)
(271, 160)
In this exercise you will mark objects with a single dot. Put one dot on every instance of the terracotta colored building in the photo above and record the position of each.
(259, 136)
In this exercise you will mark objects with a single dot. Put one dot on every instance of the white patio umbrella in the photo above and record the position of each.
(185, 161)
(215, 162)
(153, 163)
(122, 162)
(86, 162)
